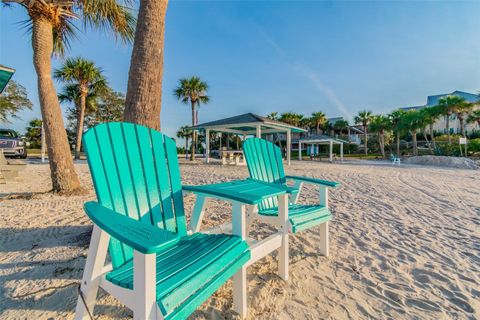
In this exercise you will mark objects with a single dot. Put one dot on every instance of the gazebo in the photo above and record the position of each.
(245, 125)
(321, 140)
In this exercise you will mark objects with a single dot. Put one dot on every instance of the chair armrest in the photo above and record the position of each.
(247, 191)
(140, 236)
(326, 183)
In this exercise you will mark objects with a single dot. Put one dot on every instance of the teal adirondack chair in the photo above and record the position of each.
(264, 162)
(157, 269)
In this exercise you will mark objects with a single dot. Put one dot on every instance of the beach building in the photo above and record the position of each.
(440, 125)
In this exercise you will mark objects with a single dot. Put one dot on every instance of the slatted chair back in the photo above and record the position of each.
(264, 162)
(135, 172)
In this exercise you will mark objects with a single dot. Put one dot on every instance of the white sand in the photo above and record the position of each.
(405, 244)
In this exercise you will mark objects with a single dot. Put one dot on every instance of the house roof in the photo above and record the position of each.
(5, 74)
(246, 122)
(469, 97)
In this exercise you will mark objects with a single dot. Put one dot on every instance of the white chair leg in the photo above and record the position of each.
(144, 284)
(92, 273)
(324, 196)
(324, 245)
(239, 228)
(283, 254)
(240, 292)
(198, 212)
(251, 215)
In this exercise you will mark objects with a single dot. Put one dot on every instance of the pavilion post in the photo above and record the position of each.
(341, 151)
(289, 145)
(259, 132)
(207, 145)
(300, 150)
(331, 150)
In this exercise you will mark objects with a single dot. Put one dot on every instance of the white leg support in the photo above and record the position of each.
(97, 253)
(294, 197)
(144, 285)
(324, 245)
(239, 228)
(324, 196)
(283, 255)
(251, 215)
(198, 212)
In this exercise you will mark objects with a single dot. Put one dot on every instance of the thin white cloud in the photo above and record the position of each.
(309, 74)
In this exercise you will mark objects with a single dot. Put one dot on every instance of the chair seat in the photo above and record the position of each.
(190, 271)
(302, 216)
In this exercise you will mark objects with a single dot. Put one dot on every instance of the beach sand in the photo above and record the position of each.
(404, 244)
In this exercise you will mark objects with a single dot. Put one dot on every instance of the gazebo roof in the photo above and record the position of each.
(5, 75)
(319, 139)
(247, 124)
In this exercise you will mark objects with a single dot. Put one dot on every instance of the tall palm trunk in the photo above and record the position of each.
(448, 129)
(64, 178)
(398, 143)
(462, 126)
(381, 142)
(414, 141)
(186, 147)
(194, 133)
(80, 119)
(365, 138)
(428, 143)
(432, 137)
(144, 93)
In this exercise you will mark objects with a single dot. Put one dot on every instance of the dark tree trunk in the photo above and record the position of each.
(80, 119)
(398, 143)
(64, 178)
(144, 93)
(194, 133)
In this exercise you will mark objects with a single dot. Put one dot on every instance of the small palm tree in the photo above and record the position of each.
(51, 25)
(340, 126)
(431, 115)
(412, 121)
(461, 112)
(395, 119)
(318, 119)
(185, 133)
(364, 117)
(450, 105)
(291, 118)
(474, 117)
(194, 91)
(85, 78)
(380, 124)
(273, 116)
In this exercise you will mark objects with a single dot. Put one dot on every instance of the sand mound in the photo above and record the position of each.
(442, 161)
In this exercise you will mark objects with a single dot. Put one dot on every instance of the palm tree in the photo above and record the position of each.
(184, 133)
(461, 112)
(395, 119)
(341, 125)
(273, 116)
(474, 117)
(144, 92)
(51, 24)
(194, 91)
(86, 80)
(318, 120)
(431, 115)
(412, 121)
(450, 105)
(379, 124)
(291, 118)
(364, 117)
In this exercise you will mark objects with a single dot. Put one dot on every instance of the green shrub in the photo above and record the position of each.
(474, 145)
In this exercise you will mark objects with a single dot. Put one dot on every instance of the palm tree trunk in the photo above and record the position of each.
(428, 143)
(186, 147)
(462, 127)
(81, 117)
(365, 138)
(381, 140)
(448, 129)
(144, 93)
(432, 137)
(63, 175)
(414, 141)
(194, 134)
(398, 143)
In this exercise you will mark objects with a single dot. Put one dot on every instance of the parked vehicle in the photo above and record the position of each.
(12, 145)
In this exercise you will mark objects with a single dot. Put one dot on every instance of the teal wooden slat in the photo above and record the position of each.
(194, 301)
(175, 180)
(150, 175)
(131, 142)
(163, 180)
(230, 251)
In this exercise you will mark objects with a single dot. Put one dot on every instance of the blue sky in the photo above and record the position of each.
(264, 56)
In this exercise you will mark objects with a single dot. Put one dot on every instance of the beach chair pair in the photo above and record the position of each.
(158, 268)
(394, 159)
